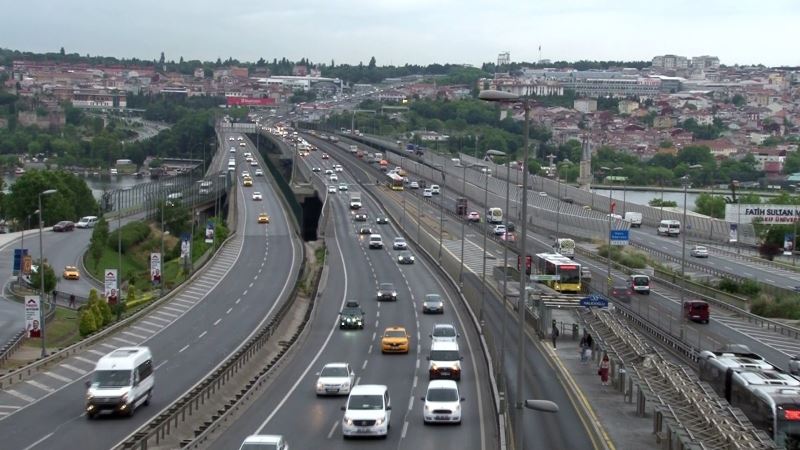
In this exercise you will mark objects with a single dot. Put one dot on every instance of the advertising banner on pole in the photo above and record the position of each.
(33, 314)
(788, 244)
(111, 286)
(210, 232)
(186, 249)
(733, 233)
(19, 255)
(155, 268)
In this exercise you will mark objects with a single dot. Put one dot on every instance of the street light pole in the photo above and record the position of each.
(685, 180)
(485, 233)
(42, 314)
(505, 277)
(441, 210)
(463, 223)
(610, 219)
(119, 238)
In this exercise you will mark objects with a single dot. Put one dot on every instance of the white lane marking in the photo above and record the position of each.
(183, 348)
(245, 292)
(184, 302)
(160, 319)
(378, 314)
(58, 377)
(370, 349)
(164, 313)
(333, 428)
(238, 300)
(417, 364)
(96, 352)
(416, 378)
(9, 407)
(107, 345)
(216, 322)
(41, 386)
(38, 442)
(373, 335)
(86, 360)
(119, 339)
(146, 330)
(229, 311)
(162, 363)
(321, 348)
(202, 334)
(137, 336)
(405, 430)
(19, 395)
(74, 369)
(364, 366)
(410, 403)
(358, 381)
(170, 308)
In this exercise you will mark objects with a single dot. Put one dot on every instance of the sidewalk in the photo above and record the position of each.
(625, 429)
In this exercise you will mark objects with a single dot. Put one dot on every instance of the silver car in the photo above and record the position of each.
(433, 304)
(699, 251)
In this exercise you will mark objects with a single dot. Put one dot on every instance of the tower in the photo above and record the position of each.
(503, 58)
(585, 176)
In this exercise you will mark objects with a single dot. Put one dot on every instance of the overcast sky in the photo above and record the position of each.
(409, 31)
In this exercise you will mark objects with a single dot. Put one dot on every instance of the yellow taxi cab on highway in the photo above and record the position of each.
(247, 182)
(263, 218)
(71, 273)
(395, 340)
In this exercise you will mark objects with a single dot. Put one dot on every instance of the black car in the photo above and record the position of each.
(351, 317)
(386, 291)
(510, 227)
(381, 220)
(361, 217)
(405, 258)
(365, 230)
(64, 225)
(622, 293)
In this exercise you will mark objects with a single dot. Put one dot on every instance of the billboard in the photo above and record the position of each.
(210, 232)
(767, 214)
(155, 268)
(111, 287)
(32, 316)
(247, 101)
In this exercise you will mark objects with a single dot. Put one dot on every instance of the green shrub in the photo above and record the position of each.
(728, 285)
(749, 287)
(783, 308)
(146, 298)
(105, 312)
(87, 324)
(132, 234)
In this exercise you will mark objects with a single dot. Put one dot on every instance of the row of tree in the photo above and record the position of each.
(73, 198)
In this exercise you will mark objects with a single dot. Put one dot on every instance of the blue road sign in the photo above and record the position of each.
(619, 237)
(18, 254)
(594, 301)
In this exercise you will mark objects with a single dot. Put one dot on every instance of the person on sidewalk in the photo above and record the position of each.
(605, 366)
(584, 348)
(72, 300)
(554, 334)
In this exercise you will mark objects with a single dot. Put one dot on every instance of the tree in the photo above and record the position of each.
(371, 65)
(62, 52)
(709, 205)
(738, 100)
(792, 162)
(49, 277)
(87, 321)
(161, 60)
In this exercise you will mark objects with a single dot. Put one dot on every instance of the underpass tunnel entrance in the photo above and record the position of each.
(312, 209)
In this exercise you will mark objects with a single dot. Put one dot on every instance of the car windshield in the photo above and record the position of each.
(432, 298)
(444, 332)
(258, 446)
(399, 240)
(365, 402)
(405, 254)
(337, 371)
(394, 334)
(442, 395)
(387, 287)
(112, 378)
(444, 355)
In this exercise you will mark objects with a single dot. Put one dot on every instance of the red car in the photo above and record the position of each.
(474, 216)
(64, 225)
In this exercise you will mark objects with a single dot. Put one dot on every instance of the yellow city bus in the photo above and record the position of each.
(567, 270)
(396, 182)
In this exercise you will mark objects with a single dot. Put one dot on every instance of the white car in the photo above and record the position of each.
(338, 168)
(231, 138)
(427, 192)
(245, 173)
(442, 402)
(232, 150)
(259, 173)
(257, 196)
(239, 138)
(328, 172)
(335, 379)
(368, 411)
(444, 332)
(413, 185)
(399, 244)
(334, 178)
(242, 144)
(264, 441)
(254, 163)
(343, 187)
(499, 230)
(699, 251)
(331, 189)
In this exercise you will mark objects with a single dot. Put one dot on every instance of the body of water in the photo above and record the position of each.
(644, 197)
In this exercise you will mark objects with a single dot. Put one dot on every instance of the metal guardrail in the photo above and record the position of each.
(157, 429)
(11, 346)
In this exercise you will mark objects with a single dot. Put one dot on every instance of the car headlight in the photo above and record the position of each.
(412, 258)
(378, 294)
(320, 385)
(379, 421)
(348, 420)
(434, 367)
(394, 294)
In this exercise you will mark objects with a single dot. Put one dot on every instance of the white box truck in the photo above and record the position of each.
(634, 218)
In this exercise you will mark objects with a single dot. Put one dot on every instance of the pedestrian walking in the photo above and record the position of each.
(605, 366)
(554, 334)
(55, 296)
(584, 349)
(72, 300)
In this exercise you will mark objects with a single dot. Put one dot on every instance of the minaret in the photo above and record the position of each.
(585, 177)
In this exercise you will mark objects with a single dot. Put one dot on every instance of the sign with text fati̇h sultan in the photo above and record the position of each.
(766, 214)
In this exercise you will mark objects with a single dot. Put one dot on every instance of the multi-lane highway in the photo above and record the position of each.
(189, 335)
(289, 405)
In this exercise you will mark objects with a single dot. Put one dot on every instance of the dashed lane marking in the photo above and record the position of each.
(96, 352)
(86, 360)
(39, 385)
(57, 377)
(137, 336)
(19, 395)
(74, 369)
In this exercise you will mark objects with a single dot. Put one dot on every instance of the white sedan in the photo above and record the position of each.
(331, 189)
(699, 251)
(427, 193)
(500, 230)
(259, 173)
(257, 196)
(335, 379)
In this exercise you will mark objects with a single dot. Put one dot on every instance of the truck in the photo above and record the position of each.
(462, 206)
(634, 218)
(355, 200)
(565, 247)
(353, 148)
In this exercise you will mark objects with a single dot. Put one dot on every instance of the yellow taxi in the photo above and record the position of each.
(247, 182)
(395, 340)
(71, 273)
(263, 218)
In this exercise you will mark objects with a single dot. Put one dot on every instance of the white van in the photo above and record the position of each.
(264, 442)
(444, 361)
(375, 241)
(494, 215)
(669, 228)
(368, 411)
(87, 222)
(639, 283)
(435, 190)
(634, 218)
(122, 380)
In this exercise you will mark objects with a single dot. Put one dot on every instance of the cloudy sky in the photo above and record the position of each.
(409, 31)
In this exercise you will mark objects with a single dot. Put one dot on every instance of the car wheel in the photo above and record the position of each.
(149, 396)
(90, 416)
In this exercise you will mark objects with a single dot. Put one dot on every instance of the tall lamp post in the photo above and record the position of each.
(610, 220)
(441, 207)
(560, 165)
(500, 96)
(464, 166)
(686, 181)
(41, 268)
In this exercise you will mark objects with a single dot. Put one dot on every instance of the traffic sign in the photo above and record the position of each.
(594, 301)
(619, 237)
(546, 277)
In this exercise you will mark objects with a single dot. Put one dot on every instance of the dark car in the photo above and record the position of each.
(405, 258)
(365, 230)
(351, 317)
(386, 291)
(64, 225)
(510, 226)
(696, 311)
(433, 304)
(381, 220)
(361, 217)
(622, 293)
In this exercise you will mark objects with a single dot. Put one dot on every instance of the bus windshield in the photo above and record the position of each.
(570, 274)
(788, 433)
